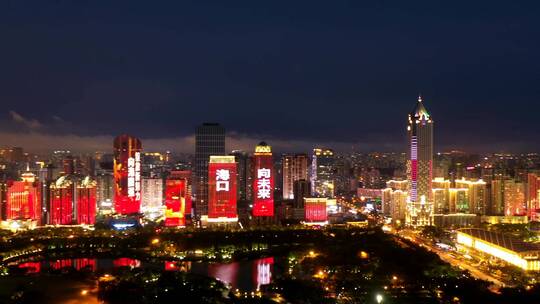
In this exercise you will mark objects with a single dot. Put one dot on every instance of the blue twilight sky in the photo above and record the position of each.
(294, 73)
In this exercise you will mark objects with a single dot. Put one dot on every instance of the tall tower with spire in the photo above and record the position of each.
(419, 166)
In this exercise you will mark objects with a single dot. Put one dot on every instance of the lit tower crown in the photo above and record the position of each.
(420, 165)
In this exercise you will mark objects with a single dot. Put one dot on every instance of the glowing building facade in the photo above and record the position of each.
(85, 201)
(504, 247)
(222, 189)
(420, 167)
(73, 201)
(263, 181)
(514, 198)
(477, 195)
(61, 192)
(23, 199)
(127, 174)
(175, 202)
(315, 210)
(152, 194)
(394, 199)
(533, 195)
(185, 175)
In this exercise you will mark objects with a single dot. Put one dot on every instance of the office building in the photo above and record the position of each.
(209, 140)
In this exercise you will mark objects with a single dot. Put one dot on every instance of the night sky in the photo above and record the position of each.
(296, 74)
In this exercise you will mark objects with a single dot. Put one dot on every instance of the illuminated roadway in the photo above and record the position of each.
(447, 257)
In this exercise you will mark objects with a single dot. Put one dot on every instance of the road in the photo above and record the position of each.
(447, 257)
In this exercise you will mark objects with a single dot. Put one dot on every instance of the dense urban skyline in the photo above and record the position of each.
(295, 75)
(280, 152)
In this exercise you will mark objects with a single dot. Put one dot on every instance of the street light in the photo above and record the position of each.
(379, 298)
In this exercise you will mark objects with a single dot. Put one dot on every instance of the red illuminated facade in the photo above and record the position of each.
(127, 174)
(23, 199)
(73, 201)
(126, 262)
(262, 271)
(185, 191)
(31, 267)
(315, 209)
(222, 189)
(175, 202)
(86, 202)
(61, 199)
(263, 181)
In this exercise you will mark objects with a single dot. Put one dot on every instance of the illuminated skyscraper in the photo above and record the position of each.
(263, 181)
(209, 140)
(322, 173)
(127, 174)
(420, 166)
(222, 189)
(295, 167)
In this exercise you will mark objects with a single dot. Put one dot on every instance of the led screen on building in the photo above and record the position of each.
(263, 181)
(127, 174)
(222, 189)
(175, 202)
(315, 209)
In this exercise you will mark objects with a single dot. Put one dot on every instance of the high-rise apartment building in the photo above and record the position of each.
(420, 166)
(477, 195)
(322, 173)
(209, 140)
(394, 199)
(294, 168)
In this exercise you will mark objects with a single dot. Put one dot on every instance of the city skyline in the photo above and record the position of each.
(85, 83)
(267, 152)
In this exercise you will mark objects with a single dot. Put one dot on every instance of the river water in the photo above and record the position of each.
(245, 275)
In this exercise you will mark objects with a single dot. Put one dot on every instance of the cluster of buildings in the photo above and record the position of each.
(439, 192)
(129, 185)
(416, 188)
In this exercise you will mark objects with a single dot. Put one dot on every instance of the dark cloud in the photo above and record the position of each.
(28, 123)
